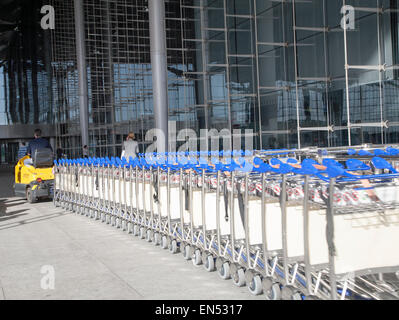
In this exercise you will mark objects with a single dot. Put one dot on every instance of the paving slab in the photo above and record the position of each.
(91, 260)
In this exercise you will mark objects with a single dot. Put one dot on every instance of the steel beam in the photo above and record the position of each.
(82, 70)
(156, 10)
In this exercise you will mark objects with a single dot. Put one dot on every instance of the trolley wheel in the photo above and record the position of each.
(209, 263)
(187, 252)
(290, 293)
(157, 239)
(142, 233)
(255, 285)
(136, 230)
(164, 242)
(238, 277)
(224, 271)
(29, 195)
(312, 297)
(173, 247)
(149, 235)
(129, 227)
(271, 289)
(197, 257)
(249, 274)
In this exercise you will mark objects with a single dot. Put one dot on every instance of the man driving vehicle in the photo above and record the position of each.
(37, 143)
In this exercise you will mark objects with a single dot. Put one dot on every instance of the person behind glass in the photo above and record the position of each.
(130, 147)
(59, 153)
(85, 151)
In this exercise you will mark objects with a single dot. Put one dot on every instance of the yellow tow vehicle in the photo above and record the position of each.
(34, 179)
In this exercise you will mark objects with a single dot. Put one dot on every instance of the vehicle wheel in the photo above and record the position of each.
(187, 252)
(290, 293)
(164, 242)
(197, 257)
(29, 195)
(173, 247)
(224, 271)
(238, 277)
(209, 263)
(149, 235)
(255, 285)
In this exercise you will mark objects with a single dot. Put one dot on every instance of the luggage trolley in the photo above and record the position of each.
(293, 224)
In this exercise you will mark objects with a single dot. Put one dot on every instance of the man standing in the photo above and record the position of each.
(85, 151)
(38, 143)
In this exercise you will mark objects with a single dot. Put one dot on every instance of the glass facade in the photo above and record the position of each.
(288, 70)
(25, 69)
(25, 76)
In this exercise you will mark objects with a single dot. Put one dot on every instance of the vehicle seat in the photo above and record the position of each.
(43, 158)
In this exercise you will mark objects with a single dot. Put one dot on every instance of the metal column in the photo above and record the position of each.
(156, 10)
(82, 70)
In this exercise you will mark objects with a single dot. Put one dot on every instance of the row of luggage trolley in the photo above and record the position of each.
(291, 224)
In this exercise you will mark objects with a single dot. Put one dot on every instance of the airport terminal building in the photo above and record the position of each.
(297, 73)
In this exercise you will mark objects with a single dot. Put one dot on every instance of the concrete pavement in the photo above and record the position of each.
(91, 260)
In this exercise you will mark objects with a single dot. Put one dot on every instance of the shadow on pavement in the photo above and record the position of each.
(7, 201)
(31, 220)
(12, 215)
(13, 204)
(7, 184)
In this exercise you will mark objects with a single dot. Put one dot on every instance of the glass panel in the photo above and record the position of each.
(314, 139)
(364, 96)
(313, 104)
